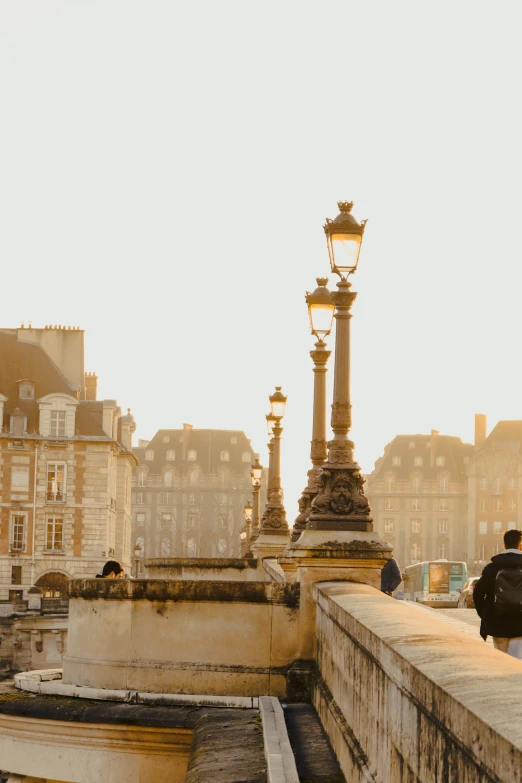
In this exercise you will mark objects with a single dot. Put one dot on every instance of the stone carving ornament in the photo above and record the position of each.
(341, 492)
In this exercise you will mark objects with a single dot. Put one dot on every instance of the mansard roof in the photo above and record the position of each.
(506, 434)
(207, 443)
(20, 360)
(456, 457)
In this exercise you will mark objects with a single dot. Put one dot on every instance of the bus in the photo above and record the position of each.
(435, 583)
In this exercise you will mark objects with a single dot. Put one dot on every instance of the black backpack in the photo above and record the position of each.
(508, 591)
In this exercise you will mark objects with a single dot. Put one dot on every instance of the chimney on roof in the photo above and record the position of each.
(433, 446)
(91, 386)
(480, 429)
(186, 439)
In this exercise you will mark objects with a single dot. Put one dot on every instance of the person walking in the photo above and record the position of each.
(498, 597)
(391, 576)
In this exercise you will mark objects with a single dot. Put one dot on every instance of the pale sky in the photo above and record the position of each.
(165, 171)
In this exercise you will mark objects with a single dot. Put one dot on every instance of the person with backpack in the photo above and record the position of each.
(390, 577)
(498, 597)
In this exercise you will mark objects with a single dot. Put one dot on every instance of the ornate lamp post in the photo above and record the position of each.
(246, 532)
(320, 311)
(340, 503)
(257, 472)
(137, 552)
(274, 519)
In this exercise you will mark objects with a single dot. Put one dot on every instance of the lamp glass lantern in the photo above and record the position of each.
(137, 551)
(277, 403)
(243, 535)
(270, 424)
(248, 512)
(344, 236)
(257, 470)
(320, 309)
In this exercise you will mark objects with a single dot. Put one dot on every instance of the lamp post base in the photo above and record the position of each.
(344, 525)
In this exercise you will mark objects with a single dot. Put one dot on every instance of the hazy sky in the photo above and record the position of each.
(165, 171)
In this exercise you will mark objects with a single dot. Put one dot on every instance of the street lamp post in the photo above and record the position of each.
(137, 551)
(340, 503)
(320, 311)
(257, 472)
(246, 532)
(274, 518)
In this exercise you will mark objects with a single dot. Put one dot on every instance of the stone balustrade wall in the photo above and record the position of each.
(404, 696)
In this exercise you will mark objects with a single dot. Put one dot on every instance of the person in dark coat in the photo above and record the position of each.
(390, 577)
(506, 630)
(111, 570)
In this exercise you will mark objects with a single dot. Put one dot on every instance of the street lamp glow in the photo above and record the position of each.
(277, 404)
(137, 551)
(320, 309)
(270, 424)
(243, 535)
(257, 470)
(344, 236)
(248, 511)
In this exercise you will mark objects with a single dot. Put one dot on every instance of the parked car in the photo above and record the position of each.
(466, 595)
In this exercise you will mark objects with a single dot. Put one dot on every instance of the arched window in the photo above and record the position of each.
(166, 438)
(415, 553)
(171, 455)
(193, 478)
(191, 500)
(225, 456)
(444, 484)
(247, 457)
(167, 478)
(222, 546)
(165, 547)
(416, 484)
(149, 455)
(192, 455)
(192, 547)
(142, 478)
(389, 484)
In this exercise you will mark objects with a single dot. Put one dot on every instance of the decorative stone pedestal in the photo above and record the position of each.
(327, 556)
(270, 544)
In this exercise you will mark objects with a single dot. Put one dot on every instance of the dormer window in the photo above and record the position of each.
(192, 455)
(149, 455)
(247, 457)
(26, 390)
(57, 415)
(225, 456)
(18, 422)
(57, 424)
(171, 455)
(166, 438)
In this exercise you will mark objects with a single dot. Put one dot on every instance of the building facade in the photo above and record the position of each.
(495, 489)
(419, 497)
(66, 464)
(189, 491)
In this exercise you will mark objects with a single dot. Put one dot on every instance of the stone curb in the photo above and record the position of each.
(278, 751)
(50, 684)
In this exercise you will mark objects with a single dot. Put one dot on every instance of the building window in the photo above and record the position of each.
(443, 525)
(56, 482)
(166, 438)
(497, 528)
(171, 455)
(511, 525)
(417, 461)
(192, 547)
(439, 462)
(444, 484)
(57, 429)
(496, 486)
(415, 526)
(141, 518)
(191, 500)
(482, 552)
(26, 390)
(396, 461)
(222, 499)
(482, 505)
(415, 553)
(167, 478)
(483, 528)
(246, 457)
(20, 478)
(512, 483)
(512, 505)
(443, 504)
(389, 484)
(483, 483)
(165, 547)
(193, 478)
(416, 484)
(54, 534)
(142, 478)
(18, 423)
(388, 504)
(166, 520)
(225, 456)
(149, 455)
(443, 551)
(415, 504)
(388, 525)
(192, 455)
(18, 532)
(139, 498)
(497, 504)
(496, 549)
(222, 546)
(16, 575)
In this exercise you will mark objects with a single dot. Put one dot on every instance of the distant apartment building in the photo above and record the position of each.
(189, 491)
(65, 464)
(495, 490)
(419, 497)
